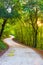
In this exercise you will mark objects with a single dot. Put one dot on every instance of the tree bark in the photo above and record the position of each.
(35, 39)
(2, 29)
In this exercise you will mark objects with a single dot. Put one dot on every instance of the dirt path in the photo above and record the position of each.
(18, 54)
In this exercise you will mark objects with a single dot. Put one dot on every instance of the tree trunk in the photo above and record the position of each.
(2, 29)
(35, 29)
(35, 39)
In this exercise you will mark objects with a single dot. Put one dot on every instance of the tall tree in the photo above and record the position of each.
(34, 8)
(8, 10)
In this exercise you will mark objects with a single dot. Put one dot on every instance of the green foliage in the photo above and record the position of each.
(24, 34)
(7, 9)
(22, 20)
(3, 46)
(8, 29)
(40, 37)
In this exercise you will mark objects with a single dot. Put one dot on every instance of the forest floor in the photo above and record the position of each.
(18, 54)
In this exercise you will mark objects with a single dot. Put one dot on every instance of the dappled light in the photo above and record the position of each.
(21, 32)
(39, 23)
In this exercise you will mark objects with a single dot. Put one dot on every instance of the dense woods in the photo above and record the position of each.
(24, 20)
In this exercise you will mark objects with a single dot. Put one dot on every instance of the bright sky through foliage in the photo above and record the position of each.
(9, 9)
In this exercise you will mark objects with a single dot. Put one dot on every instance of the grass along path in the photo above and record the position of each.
(3, 47)
(19, 55)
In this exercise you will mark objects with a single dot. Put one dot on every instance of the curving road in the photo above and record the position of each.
(18, 54)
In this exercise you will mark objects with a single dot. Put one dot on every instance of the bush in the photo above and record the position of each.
(3, 46)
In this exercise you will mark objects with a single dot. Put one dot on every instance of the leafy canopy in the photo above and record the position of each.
(7, 8)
